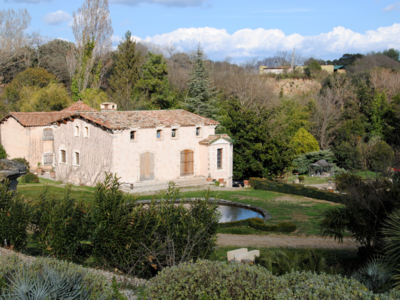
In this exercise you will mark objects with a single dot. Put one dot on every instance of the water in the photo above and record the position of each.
(233, 213)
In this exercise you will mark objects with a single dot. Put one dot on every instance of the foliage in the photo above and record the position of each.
(29, 178)
(202, 95)
(285, 260)
(302, 162)
(380, 157)
(153, 82)
(259, 224)
(61, 227)
(304, 142)
(218, 280)
(392, 53)
(22, 160)
(126, 72)
(15, 216)
(93, 97)
(378, 109)
(3, 153)
(392, 248)
(301, 178)
(255, 151)
(50, 279)
(367, 204)
(295, 189)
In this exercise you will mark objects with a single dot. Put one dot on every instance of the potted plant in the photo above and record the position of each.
(52, 173)
(246, 183)
(39, 169)
(209, 177)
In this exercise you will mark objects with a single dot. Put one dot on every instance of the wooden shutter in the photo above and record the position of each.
(48, 134)
(187, 163)
(147, 166)
(48, 159)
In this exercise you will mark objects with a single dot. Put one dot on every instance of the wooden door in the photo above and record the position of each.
(187, 163)
(146, 166)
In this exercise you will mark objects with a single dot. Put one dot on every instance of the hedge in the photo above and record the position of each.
(295, 189)
(259, 224)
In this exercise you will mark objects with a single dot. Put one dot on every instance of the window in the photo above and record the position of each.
(133, 135)
(174, 133)
(48, 134)
(198, 131)
(219, 158)
(48, 159)
(86, 132)
(76, 130)
(159, 134)
(76, 157)
(63, 156)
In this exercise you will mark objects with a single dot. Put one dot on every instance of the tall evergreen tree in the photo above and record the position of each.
(126, 72)
(154, 83)
(202, 95)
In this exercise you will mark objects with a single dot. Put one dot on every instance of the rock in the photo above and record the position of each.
(11, 170)
(231, 254)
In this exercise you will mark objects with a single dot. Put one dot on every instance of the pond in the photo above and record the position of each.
(233, 213)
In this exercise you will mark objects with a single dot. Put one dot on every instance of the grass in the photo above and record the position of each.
(309, 180)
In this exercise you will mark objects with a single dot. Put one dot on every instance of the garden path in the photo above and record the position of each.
(276, 241)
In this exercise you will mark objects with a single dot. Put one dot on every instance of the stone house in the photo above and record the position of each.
(81, 143)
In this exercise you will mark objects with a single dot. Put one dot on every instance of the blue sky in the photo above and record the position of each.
(240, 29)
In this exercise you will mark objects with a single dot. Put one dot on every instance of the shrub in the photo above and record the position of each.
(15, 216)
(50, 279)
(3, 153)
(302, 162)
(234, 224)
(29, 178)
(61, 227)
(24, 161)
(259, 224)
(214, 280)
(301, 178)
(285, 260)
(294, 189)
(304, 142)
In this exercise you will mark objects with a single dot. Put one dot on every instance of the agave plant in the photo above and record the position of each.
(376, 275)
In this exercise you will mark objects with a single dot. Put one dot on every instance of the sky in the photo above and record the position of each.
(240, 29)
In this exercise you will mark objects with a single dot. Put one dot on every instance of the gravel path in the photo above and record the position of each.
(108, 275)
(274, 241)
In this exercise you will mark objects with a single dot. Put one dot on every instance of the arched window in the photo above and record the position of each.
(76, 130)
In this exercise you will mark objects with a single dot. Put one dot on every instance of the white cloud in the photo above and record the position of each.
(57, 17)
(176, 3)
(246, 43)
(392, 7)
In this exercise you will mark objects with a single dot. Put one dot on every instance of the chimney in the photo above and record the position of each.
(108, 106)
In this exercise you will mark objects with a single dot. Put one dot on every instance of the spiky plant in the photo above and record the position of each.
(392, 249)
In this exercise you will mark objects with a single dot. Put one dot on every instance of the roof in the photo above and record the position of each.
(79, 106)
(30, 119)
(337, 67)
(117, 120)
(213, 138)
(321, 163)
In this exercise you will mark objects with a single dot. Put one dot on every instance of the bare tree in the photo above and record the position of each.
(90, 59)
(13, 39)
(385, 80)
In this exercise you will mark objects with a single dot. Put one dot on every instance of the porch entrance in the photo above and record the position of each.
(187, 163)
(146, 166)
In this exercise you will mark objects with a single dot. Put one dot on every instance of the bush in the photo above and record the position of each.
(301, 178)
(15, 216)
(294, 189)
(304, 142)
(259, 224)
(50, 279)
(61, 227)
(208, 280)
(234, 224)
(24, 161)
(214, 280)
(29, 178)
(3, 153)
(285, 260)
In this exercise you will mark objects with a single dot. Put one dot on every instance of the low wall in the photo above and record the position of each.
(266, 215)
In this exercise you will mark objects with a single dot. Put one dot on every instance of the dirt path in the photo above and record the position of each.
(274, 241)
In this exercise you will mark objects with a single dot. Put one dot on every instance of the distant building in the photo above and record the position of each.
(286, 69)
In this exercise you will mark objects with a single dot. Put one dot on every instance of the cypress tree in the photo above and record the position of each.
(126, 72)
(202, 95)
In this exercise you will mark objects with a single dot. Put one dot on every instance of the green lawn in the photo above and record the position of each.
(309, 180)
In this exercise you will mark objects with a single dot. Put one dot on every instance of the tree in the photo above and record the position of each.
(12, 36)
(304, 142)
(378, 109)
(256, 152)
(392, 53)
(153, 83)
(346, 60)
(126, 72)
(90, 57)
(202, 95)
(93, 97)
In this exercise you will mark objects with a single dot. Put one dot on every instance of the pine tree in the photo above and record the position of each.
(202, 95)
(154, 82)
(126, 72)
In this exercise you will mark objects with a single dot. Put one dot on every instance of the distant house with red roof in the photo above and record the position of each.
(81, 143)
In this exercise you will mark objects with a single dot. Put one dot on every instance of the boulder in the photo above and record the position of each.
(11, 170)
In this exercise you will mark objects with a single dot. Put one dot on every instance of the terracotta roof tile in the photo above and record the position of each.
(79, 106)
(116, 120)
(30, 119)
(213, 138)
